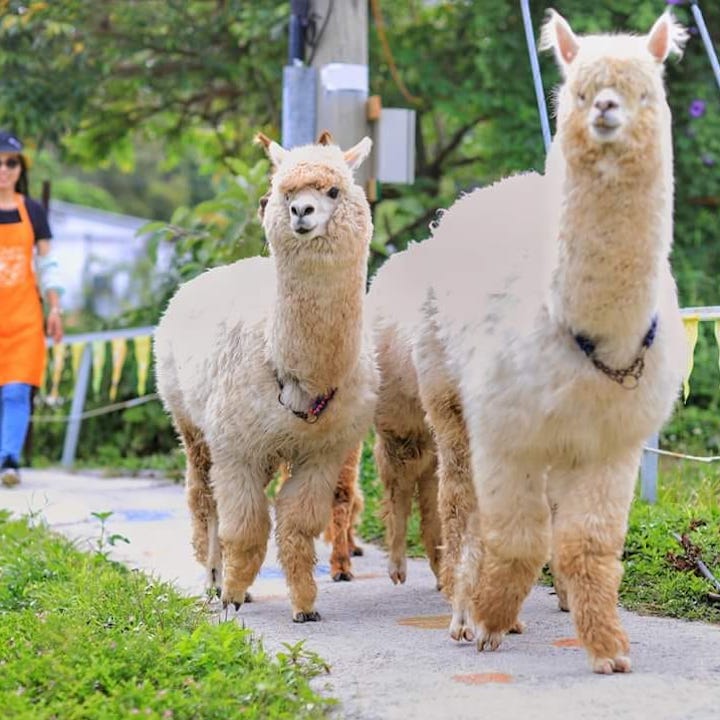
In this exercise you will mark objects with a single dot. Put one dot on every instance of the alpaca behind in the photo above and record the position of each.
(549, 345)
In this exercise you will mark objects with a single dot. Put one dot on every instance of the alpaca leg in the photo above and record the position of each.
(514, 529)
(303, 508)
(430, 519)
(400, 461)
(203, 511)
(340, 522)
(243, 526)
(559, 584)
(356, 508)
(456, 495)
(588, 537)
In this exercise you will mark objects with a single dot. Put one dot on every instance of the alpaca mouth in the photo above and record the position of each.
(303, 230)
(604, 129)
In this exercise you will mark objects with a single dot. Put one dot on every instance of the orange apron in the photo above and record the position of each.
(22, 337)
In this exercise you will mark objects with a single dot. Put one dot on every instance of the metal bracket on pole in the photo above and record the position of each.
(537, 78)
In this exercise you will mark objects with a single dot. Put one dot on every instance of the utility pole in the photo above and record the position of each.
(340, 57)
(326, 87)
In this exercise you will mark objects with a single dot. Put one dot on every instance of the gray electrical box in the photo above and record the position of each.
(395, 146)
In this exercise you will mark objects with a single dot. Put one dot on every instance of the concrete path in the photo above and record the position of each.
(388, 647)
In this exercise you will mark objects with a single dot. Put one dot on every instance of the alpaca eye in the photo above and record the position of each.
(333, 192)
(643, 97)
(581, 97)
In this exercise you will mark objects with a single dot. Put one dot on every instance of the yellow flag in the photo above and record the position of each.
(98, 351)
(142, 358)
(58, 353)
(691, 330)
(77, 350)
(119, 351)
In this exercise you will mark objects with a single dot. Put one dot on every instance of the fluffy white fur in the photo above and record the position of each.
(240, 347)
(486, 313)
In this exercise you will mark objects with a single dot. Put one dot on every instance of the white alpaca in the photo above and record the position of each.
(543, 327)
(265, 362)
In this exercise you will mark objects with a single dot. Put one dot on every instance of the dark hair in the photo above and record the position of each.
(21, 186)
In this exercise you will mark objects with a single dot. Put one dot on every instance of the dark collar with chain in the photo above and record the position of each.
(628, 377)
(316, 408)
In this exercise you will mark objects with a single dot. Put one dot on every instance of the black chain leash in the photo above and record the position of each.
(627, 377)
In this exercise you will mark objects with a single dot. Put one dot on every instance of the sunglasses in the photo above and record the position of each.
(10, 163)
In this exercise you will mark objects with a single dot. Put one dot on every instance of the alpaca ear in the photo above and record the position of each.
(557, 35)
(666, 36)
(273, 150)
(355, 155)
(325, 138)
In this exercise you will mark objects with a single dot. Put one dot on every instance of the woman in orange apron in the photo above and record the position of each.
(24, 236)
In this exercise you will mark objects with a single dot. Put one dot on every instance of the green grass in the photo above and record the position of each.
(84, 638)
(689, 495)
(688, 502)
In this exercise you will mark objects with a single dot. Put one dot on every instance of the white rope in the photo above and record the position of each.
(698, 458)
(98, 411)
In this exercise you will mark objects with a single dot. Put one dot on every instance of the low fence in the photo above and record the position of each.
(648, 470)
(87, 341)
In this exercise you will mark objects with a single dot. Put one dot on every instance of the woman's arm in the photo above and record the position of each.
(49, 283)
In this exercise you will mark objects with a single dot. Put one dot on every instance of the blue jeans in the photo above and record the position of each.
(14, 419)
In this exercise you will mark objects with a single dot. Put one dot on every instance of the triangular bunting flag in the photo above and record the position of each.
(119, 352)
(98, 351)
(691, 330)
(77, 350)
(142, 358)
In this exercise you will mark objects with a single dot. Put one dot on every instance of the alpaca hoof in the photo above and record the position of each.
(487, 640)
(357, 552)
(517, 628)
(461, 628)
(248, 597)
(608, 666)
(303, 617)
(397, 571)
(342, 576)
(236, 605)
(563, 606)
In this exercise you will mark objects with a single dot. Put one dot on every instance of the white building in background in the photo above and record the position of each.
(97, 252)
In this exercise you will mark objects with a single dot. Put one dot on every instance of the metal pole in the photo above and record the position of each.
(79, 394)
(705, 35)
(537, 78)
(649, 471)
(299, 83)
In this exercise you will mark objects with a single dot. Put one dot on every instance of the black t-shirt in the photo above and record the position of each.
(38, 218)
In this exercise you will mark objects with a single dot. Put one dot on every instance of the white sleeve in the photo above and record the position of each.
(48, 270)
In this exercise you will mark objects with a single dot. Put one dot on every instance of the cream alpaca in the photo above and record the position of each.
(264, 362)
(553, 283)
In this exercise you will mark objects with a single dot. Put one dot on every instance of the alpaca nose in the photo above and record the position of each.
(604, 105)
(302, 210)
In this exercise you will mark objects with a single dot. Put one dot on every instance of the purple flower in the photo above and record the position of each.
(708, 160)
(674, 2)
(697, 108)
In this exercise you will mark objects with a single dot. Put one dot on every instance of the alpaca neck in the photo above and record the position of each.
(316, 326)
(613, 245)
